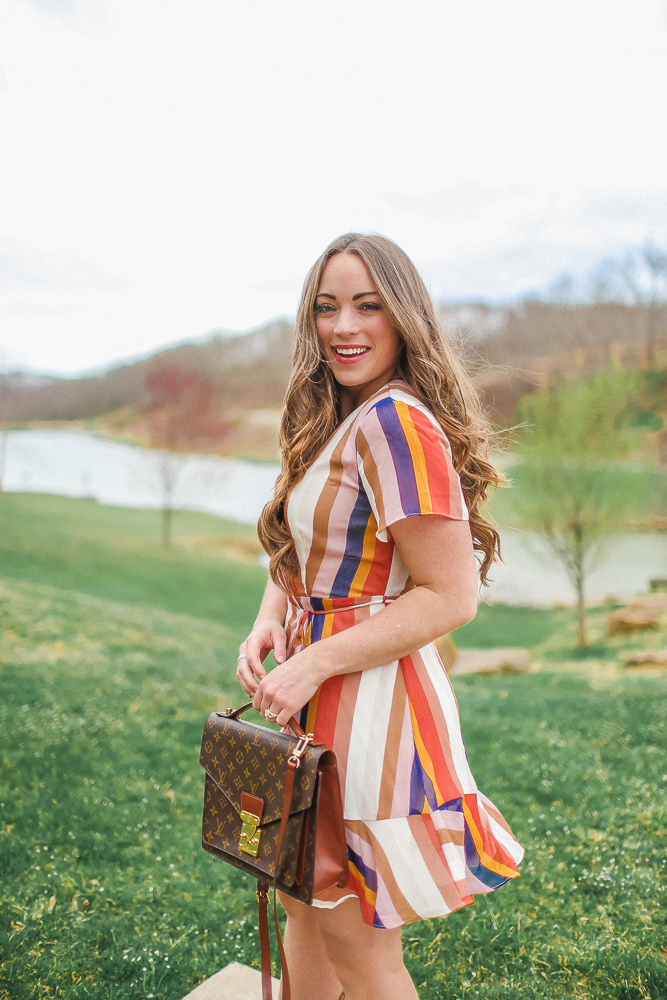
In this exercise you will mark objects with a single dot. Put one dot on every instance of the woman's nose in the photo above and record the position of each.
(347, 321)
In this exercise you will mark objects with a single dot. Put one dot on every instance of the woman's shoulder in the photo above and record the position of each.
(392, 404)
(404, 458)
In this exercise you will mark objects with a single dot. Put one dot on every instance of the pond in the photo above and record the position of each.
(81, 464)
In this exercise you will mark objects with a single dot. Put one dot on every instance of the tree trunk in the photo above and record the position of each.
(651, 318)
(3, 456)
(167, 514)
(579, 551)
(169, 469)
(582, 640)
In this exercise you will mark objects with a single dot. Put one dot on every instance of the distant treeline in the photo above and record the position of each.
(512, 350)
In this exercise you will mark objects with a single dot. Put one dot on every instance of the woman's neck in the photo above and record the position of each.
(350, 398)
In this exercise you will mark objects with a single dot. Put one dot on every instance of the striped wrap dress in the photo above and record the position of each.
(421, 838)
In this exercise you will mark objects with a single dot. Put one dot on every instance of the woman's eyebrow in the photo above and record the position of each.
(359, 295)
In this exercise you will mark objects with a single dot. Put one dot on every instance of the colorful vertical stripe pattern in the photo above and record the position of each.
(422, 840)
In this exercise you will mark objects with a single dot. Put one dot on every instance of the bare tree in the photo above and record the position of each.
(169, 467)
(569, 486)
(4, 436)
(178, 421)
(639, 279)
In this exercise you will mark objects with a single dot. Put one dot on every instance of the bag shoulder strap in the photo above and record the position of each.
(263, 901)
(263, 886)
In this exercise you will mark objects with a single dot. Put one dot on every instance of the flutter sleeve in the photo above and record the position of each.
(405, 465)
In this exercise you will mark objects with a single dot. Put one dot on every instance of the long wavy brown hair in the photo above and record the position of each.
(426, 362)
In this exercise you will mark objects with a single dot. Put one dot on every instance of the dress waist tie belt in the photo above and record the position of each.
(305, 621)
(349, 607)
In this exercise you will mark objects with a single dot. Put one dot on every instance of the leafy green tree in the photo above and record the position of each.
(569, 485)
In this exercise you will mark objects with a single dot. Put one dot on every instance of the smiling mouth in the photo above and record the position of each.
(350, 352)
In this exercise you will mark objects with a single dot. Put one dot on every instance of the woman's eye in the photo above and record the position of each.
(322, 307)
(371, 306)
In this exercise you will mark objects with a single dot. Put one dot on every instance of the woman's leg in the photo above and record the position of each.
(311, 973)
(368, 960)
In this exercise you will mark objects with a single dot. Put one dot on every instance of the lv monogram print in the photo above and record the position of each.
(240, 756)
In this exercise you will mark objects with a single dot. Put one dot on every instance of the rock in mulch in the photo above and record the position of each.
(633, 619)
(656, 602)
(647, 658)
(447, 650)
(491, 661)
(640, 615)
(234, 982)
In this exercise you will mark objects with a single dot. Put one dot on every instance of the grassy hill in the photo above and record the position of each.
(112, 652)
(114, 553)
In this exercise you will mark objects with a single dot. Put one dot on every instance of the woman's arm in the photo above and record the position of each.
(268, 633)
(439, 557)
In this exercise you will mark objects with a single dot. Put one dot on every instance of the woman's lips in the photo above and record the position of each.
(347, 354)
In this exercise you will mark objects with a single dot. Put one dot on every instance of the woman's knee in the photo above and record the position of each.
(350, 942)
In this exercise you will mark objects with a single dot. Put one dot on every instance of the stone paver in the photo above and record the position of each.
(491, 661)
(234, 982)
(647, 658)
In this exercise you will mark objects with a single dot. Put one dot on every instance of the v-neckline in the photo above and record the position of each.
(387, 385)
(341, 425)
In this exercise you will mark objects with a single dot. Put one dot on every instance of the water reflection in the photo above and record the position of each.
(79, 464)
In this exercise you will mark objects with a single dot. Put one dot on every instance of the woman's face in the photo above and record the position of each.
(355, 333)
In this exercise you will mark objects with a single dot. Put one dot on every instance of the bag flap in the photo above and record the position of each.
(241, 757)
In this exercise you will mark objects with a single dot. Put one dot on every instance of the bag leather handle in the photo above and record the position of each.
(237, 712)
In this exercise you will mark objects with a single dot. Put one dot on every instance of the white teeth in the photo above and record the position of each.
(350, 350)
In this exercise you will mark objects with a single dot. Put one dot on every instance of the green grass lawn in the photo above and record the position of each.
(112, 654)
(114, 553)
(497, 625)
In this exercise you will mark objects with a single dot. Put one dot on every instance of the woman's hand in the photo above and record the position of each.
(266, 635)
(288, 687)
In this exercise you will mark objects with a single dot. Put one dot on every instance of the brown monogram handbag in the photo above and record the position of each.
(272, 807)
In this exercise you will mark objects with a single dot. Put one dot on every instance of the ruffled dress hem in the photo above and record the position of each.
(409, 868)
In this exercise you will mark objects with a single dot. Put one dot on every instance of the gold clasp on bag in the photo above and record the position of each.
(297, 752)
(249, 839)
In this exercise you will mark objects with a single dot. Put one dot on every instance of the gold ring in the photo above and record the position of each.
(269, 715)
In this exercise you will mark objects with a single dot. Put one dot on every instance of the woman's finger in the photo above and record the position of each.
(245, 678)
(244, 670)
(264, 698)
(250, 653)
(279, 638)
(257, 699)
(240, 664)
(267, 699)
(283, 717)
(271, 714)
(255, 652)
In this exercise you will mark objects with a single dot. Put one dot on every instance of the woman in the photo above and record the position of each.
(371, 535)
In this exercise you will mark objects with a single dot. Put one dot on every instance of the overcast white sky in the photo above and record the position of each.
(170, 167)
